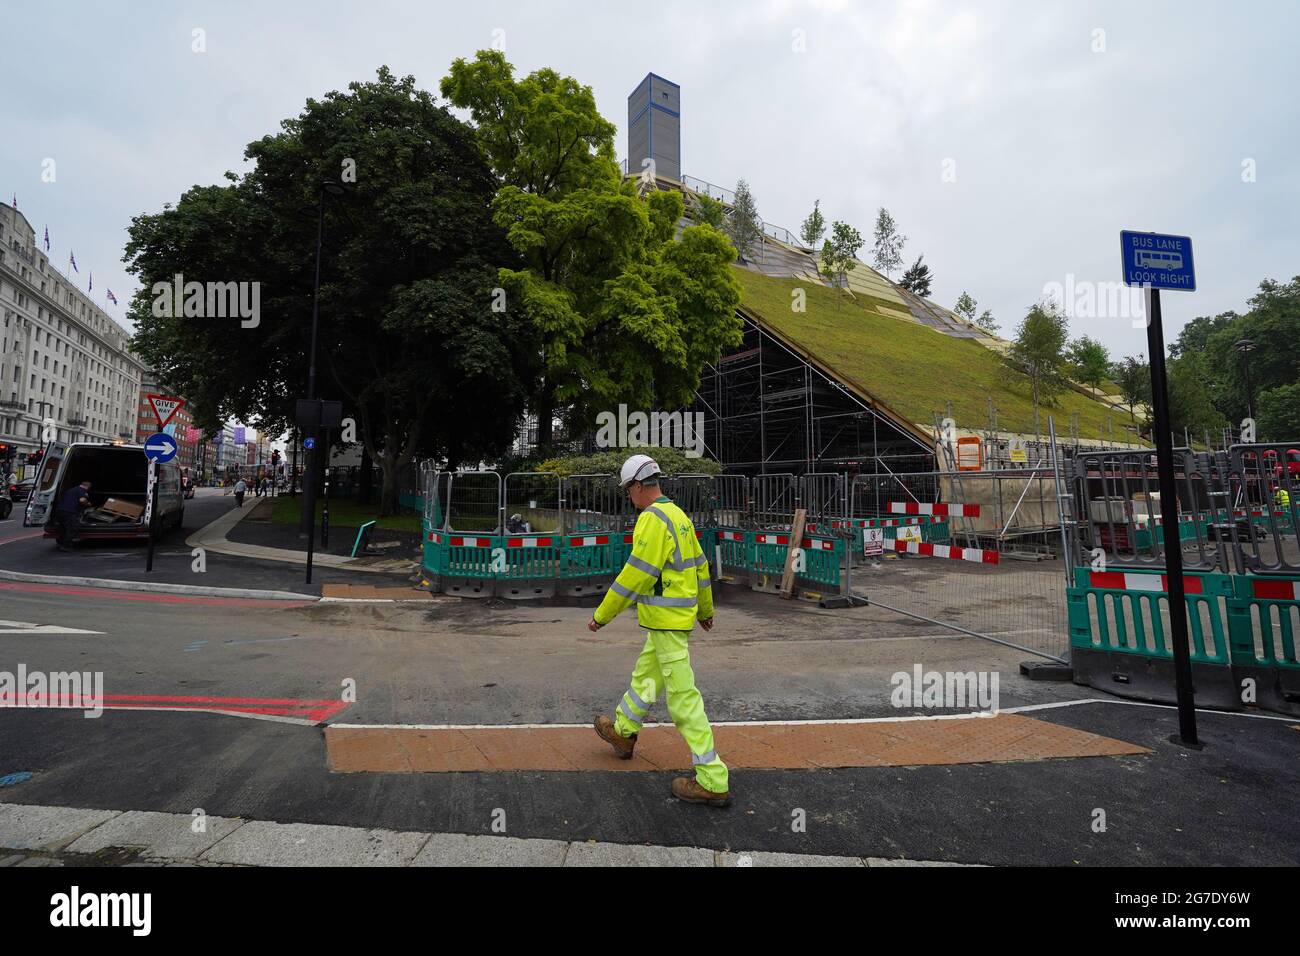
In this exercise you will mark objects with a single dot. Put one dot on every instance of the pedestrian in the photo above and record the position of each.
(240, 489)
(67, 515)
(667, 576)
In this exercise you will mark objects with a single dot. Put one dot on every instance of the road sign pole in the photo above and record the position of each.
(153, 513)
(1169, 523)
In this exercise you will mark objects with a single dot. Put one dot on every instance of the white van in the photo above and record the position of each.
(114, 471)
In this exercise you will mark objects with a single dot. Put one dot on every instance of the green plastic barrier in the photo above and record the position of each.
(1128, 618)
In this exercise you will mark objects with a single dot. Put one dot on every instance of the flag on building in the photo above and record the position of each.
(47, 238)
(72, 261)
(112, 298)
(92, 281)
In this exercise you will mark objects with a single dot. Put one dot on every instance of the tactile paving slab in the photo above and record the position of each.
(799, 745)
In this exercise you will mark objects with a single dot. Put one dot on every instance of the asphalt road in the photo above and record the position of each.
(462, 662)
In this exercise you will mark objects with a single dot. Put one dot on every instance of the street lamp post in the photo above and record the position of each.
(1244, 348)
(308, 515)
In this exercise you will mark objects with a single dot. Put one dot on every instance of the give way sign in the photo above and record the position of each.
(164, 407)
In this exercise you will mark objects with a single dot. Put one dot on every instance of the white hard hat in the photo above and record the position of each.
(637, 468)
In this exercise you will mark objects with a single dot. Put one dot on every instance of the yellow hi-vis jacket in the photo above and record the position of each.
(667, 575)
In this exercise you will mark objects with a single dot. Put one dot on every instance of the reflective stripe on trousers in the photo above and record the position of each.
(664, 670)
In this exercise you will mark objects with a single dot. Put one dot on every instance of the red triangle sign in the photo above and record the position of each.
(164, 407)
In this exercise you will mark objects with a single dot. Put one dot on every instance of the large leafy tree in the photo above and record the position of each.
(408, 337)
(1278, 410)
(1272, 324)
(620, 309)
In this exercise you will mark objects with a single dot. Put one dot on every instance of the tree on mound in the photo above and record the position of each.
(1038, 352)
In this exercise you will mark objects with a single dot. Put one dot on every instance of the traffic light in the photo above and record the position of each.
(275, 457)
(34, 458)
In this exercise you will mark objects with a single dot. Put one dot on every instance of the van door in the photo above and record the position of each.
(40, 502)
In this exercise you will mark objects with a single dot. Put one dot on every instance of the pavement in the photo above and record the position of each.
(70, 836)
(26, 555)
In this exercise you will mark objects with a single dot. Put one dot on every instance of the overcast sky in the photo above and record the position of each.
(1063, 124)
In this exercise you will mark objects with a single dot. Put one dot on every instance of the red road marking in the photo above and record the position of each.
(37, 533)
(151, 597)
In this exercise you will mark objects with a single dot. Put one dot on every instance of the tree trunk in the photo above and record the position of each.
(365, 480)
(388, 486)
(545, 413)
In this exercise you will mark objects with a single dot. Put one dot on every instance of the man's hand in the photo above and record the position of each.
(706, 623)
(593, 626)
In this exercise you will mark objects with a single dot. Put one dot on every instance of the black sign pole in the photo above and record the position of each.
(1169, 524)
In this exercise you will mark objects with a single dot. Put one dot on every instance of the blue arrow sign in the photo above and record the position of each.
(1158, 261)
(160, 447)
(309, 443)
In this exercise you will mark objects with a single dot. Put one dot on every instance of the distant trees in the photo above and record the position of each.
(966, 307)
(1089, 361)
(1133, 378)
(917, 279)
(888, 252)
(814, 227)
(1278, 413)
(744, 225)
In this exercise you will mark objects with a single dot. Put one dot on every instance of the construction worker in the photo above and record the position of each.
(667, 577)
(1281, 498)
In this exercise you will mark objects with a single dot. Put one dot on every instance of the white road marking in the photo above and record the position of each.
(841, 720)
(8, 628)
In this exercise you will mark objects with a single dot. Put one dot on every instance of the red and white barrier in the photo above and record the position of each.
(1277, 590)
(939, 510)
(773, 539)
(528, 542)
(471, 542)
(949, 551)
(813, 544)
(731, 535)
(587, 540)
(897, 522)
(1123, 581)
(435, 537)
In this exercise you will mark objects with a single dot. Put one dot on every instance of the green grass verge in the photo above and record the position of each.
(344, 513)
(913, 369)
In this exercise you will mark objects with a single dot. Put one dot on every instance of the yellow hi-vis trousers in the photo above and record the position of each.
(664, 669)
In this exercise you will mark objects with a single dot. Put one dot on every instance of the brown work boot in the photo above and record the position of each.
(622, 745)
(687, 789)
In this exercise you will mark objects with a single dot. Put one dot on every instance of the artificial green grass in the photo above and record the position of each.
(911, 368)
(344, 513)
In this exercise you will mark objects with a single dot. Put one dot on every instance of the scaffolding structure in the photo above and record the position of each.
(769, 409)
